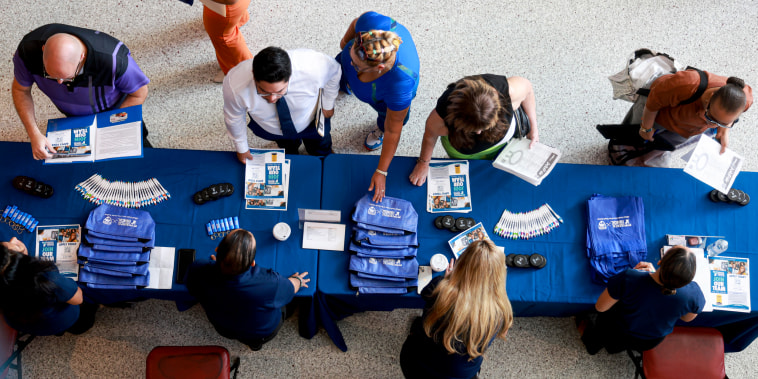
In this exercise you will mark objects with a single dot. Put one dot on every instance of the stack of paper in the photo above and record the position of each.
(448, 188)
(709, 166)
(267, 180)
(531, 165)
(59, 244)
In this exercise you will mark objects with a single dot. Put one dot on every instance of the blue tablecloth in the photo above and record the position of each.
(179, 222)
(675, 203)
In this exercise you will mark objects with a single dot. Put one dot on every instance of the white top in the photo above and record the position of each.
(311, 71)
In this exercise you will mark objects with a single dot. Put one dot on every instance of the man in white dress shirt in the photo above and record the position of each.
(279, 90)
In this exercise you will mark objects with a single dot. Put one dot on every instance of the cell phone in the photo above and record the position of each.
(186, 257)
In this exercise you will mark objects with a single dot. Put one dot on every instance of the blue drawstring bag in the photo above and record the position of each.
(380, 277)
(110, 286)
(368, 252)
(382, 291)
(391, 215)
(92, 239)
(357, 281)
(616, 237)
(112, 222)
(120, 249)
(389, 267)
(86, 276)
(115, 270)
(89, 253)
(378, 239)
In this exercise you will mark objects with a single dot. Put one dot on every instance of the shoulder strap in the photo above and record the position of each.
(700, 88)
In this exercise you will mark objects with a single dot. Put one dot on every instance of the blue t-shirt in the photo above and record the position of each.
(245, 306)
(55, 318)
(397, 87)
(643, 311)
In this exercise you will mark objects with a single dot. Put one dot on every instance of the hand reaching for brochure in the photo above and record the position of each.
(243, 157)
(378, 183)
(450, 265)
(418, 175)
(41, 147)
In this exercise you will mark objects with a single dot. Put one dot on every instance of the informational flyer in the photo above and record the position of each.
(264, 175)
(275, 202)
(59, 244)
(460, 242)
(728, 284)
(709, 166)
(448, 187)
(532, 165)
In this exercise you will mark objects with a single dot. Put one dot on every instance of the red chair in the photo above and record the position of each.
(207, 362)
(11, 345)
(688, 352)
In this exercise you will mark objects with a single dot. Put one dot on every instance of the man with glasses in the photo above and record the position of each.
(279, 90)
(82, 71)
(668, 112)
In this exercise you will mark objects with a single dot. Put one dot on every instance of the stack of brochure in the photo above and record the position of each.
(267, 180)
(448, 189)
(59, 244)
(532, 165)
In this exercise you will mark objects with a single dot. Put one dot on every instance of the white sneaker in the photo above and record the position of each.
(374, 140)
(219, 78)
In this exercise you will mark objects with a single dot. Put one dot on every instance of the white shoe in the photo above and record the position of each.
(219, 78)
(374, 140)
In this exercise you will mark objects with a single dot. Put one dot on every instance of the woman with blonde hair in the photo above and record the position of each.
(380, 67)
(466, 309)
(476, 117)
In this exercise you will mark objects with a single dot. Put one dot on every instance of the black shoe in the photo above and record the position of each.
(255, 346)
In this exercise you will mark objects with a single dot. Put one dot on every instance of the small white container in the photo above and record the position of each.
(282, 231)
(438, 262)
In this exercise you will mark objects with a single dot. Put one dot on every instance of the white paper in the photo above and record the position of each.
(323, 236)
(123, 140)
(710, 167)
(532, 165)
(424, 277)
(321, 215)
(161, 267)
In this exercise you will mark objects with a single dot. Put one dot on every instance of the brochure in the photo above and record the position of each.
(115, 134)
(724, 281)
(270, 197)
(264, 177)
(448, 187)
(460, 242)
(532, 165)
(59, 244)
(709, 166)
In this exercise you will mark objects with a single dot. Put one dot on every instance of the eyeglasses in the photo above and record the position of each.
(271, 94)
(710, 119)
(63, 80)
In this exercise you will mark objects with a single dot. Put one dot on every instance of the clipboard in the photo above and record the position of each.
(319, 116)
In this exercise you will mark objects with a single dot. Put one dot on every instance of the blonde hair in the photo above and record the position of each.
(376, 46)
(471, 305)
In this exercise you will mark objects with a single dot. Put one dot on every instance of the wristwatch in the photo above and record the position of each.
(646, 130)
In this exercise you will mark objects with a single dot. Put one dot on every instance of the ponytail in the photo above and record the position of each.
(731, 96)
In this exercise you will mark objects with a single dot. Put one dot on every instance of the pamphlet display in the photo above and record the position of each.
(115, 134)
(448, 187)
(267, 180)
(532, 165)
(59, 243)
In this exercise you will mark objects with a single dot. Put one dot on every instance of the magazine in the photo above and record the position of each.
(59, 244)
(532, 165)
(270, 197)
(448, 189)
(708, 165)
(460, 242)
(115, 134)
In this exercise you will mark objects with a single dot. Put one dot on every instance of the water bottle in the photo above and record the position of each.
(717, 247)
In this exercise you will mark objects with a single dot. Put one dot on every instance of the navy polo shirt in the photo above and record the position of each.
(245, 306)
(55, 318)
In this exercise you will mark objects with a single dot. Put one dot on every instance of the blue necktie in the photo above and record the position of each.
(285, 119)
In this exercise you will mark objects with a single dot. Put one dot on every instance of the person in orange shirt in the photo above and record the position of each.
(225, 35)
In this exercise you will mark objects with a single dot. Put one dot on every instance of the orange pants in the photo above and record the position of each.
(225, 35)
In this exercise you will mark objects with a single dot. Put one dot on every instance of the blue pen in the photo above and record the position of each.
(236, 222)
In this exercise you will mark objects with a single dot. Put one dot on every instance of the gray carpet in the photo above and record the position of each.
(567, 49)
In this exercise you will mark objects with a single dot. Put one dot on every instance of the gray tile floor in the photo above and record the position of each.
(567, 49)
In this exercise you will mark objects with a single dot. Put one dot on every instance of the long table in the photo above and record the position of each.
(675, 203)
(179, 222)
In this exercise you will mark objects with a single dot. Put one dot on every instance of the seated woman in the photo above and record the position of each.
(476, 117)
(450, 338)
(641, 305)
(36, 299)
(242, 300)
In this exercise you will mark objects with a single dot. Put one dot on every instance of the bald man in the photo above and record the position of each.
(82, 71)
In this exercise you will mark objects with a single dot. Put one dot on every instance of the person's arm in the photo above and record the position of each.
(235, 118)
(522, 95)
(299, 281)
(722, 134)
(648, 119)
(349, 34)
(688, 317)
(77, 299)
(24, 103)
(393, 126)
(135, 98)
(605, 301)
(435, 127)
(330, 84)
